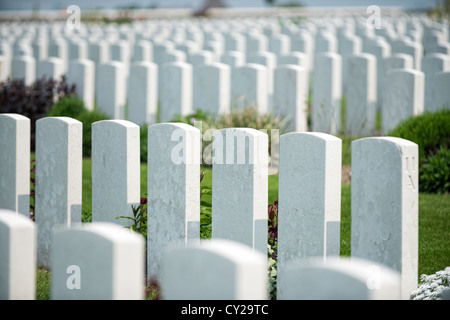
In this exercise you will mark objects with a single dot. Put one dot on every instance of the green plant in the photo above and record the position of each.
(69, 106)
(237, 118)
(33, 101)
(430, 131)
(139, 218)
(72, 106)
(88, 118)
(434, 175)
(205, 209)
(144, 143)
(272, 247)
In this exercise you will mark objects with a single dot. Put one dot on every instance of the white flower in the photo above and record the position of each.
(433, 287)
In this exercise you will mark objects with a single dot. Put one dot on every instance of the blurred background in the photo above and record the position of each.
(197, 4)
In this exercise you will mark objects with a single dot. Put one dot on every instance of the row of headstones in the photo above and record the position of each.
(105, 261)
(346, 41)
(215, 87)
(405, 91)
(384, 191)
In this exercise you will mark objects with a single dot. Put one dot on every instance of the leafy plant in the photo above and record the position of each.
(430, 131)
(32, 187)
(434, 174)
(247, 117)
(33, 101)
(272, 248)
(205, 210)
(433, 287)
(72, 106)
(139, 218)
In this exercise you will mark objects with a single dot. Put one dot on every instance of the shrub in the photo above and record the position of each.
(237, 118)
(430, 131)
(72, 106)
(433, 287)
(435, 173)
(33, 101)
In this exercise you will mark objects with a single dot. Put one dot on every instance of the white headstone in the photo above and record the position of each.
(143, 51)
(115, 170)
(81, 72)
(15, 163)
(340, 279)
(173, 189)
(214, 269)
(432, 64)
(384, 205)
(143, 92)
(327, 93)
(309, 198)
(58, 179)
(51, 67)
(110, 89)
(212, 88)
(175, 90)
(404, 96)
(18, 252)
(361, 95)
(290, 94)
(97, 261)
(240, 184)
(249, 87)
(24, 67)
(58, 48)
(442, 92)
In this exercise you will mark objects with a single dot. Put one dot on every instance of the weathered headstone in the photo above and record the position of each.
(15, 163)
(384, 205)
(173, 189)
(290, 94)
(249, 87)
(215, 269)
(269, 60)
(431, 65)
(309, 198)
(361, 95)
(143, 92)
(441, 90)
(404, 96)
(57, 47)
(212, 88)
(58, 179)
(348, 45)
(240, 184)
(327, 93)
(51, 67)
(110, 89)
(18, 252)
(115, 170)
(143, 51)
(97, 261)
(175, 90)
(81, 72)
(24, 67)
